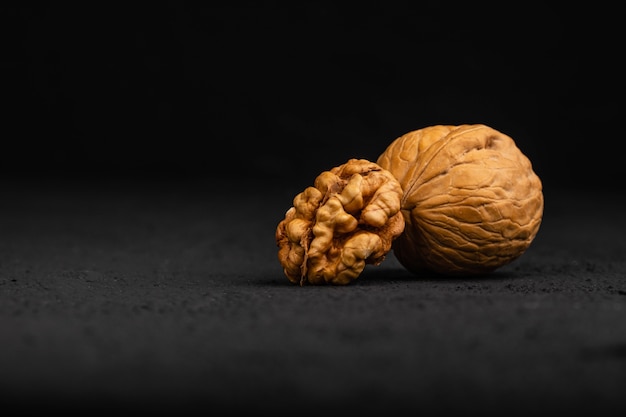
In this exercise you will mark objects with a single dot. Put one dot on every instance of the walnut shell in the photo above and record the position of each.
(472, 202)
(348, 219)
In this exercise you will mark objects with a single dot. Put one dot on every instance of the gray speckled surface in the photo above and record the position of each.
(169, 296)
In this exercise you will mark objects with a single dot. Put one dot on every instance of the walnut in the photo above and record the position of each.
(471, 202)
(348, 219)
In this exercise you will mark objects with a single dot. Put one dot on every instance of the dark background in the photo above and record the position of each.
(150, 150)
(260, 89)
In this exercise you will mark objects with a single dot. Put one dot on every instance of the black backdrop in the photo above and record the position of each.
(256, 88)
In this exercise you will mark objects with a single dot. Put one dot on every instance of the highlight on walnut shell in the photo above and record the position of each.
(347, 219)
(472, 202)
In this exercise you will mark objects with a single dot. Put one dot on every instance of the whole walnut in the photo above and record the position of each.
(348, 219)
(472, 202)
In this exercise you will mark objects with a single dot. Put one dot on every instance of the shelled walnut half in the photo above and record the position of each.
(472, 202)
(347, 219)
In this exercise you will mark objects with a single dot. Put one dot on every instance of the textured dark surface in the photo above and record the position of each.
(167, 296)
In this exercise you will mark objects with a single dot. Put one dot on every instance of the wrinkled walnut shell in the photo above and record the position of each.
(472, 202)
(348, 219)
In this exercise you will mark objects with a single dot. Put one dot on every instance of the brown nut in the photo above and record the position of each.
(472, 202)
(348, 219)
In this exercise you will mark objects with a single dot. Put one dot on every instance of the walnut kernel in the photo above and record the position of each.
(347, 219)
